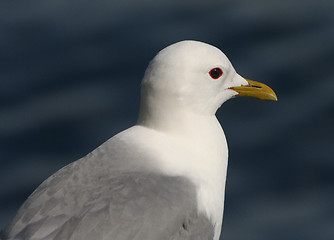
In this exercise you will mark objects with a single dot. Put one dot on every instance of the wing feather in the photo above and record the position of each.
(117, 206)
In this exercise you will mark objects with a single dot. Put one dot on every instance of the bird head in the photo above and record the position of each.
(197, 77)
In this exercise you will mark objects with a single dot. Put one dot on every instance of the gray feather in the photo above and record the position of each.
(119, 206)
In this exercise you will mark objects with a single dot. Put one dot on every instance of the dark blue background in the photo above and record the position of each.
(70, 74)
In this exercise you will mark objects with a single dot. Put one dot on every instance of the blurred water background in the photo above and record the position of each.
(70, 73)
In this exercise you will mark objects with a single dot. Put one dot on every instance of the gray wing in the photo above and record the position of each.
(130, 205)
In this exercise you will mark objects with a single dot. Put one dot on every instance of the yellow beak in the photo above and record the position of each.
(256, 90)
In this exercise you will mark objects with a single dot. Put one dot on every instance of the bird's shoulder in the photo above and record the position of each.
(121, 205)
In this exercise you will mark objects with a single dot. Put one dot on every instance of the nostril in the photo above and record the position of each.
(254, 86)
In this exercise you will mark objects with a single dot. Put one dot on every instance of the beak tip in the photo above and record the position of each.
(273, 97)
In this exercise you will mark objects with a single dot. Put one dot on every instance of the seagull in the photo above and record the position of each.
(161, 179)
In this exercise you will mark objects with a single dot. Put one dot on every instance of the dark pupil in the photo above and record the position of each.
(215, 73)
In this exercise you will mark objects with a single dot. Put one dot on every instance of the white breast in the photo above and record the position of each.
(199, 154)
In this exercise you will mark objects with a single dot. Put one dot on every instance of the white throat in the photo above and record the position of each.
(194, 146)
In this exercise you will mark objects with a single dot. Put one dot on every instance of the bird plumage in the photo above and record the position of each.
(163, 178)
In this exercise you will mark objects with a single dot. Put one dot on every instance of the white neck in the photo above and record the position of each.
(199, 141)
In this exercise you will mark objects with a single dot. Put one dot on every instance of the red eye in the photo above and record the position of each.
(215, 73)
